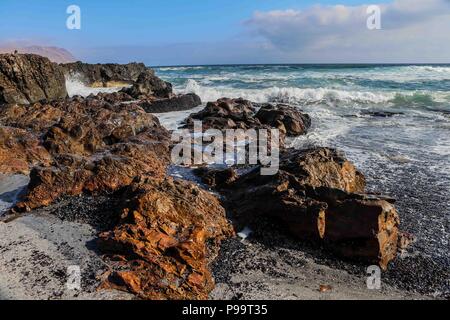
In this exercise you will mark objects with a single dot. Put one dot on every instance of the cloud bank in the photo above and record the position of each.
(412, 31)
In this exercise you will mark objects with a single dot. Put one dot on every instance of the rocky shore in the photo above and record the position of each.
(99, 178)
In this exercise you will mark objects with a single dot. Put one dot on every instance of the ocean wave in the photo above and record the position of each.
(180, 68)
(75, 87)
(308, 96)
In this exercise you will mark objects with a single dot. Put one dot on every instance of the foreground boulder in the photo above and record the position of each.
(169, 233)
(318, 195)
(174, 103)
(105, 75)
(29, 78)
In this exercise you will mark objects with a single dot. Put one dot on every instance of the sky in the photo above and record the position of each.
(185, 32)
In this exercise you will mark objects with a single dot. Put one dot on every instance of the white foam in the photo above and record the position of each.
(75, 87)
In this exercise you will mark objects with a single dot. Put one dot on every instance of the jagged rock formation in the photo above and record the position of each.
(170, 232)
(28, 78)
(106, 75)
(319, 195)
(147, 84)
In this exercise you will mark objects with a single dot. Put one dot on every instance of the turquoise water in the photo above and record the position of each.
(406, 155)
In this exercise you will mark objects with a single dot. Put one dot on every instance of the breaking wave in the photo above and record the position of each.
(311, 96)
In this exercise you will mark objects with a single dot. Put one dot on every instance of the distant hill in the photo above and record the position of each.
(55, 54)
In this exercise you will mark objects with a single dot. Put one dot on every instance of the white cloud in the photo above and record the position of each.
(412, 31)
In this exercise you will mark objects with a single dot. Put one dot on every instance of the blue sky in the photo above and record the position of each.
(220, 31)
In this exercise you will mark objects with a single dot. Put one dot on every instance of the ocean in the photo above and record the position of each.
(392, 121)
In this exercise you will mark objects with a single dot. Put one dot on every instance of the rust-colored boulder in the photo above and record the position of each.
(20, 150)
(106, 171)
(97, 146)
(29, 78)
(169, 233)
(318, 195)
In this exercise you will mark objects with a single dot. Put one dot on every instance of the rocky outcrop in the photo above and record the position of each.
(318, 195)
(92, 146)
(28, 78)
(147, 84)
(169, 233)
(226, 114)
(175, 103)
(216, 178)
(106, 75)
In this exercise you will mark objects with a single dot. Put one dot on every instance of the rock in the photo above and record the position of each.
(216, 178)
(287, 119)
(20, 150)
(148, 84)
(175, 103)
(226, 114)
(28, 78)
(318, 195)
(106, 75)
(90, 145)
(169, 233)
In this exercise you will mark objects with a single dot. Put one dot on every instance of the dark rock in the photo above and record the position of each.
(287, 119)
(148, 84)
(226, 114)
(176, 103)
(28, 78)
(216, 178)
(318, 195)
(106, 75)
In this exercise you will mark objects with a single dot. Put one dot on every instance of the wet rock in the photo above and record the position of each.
(287, 119)
(105, 75)
(28, 78)
(216, 178)
(175, 103)
(318, 195)
(147, 84)
(226, 114)
(169, 233)
(20, 150)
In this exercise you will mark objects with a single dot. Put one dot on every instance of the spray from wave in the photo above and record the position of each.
(76, 87)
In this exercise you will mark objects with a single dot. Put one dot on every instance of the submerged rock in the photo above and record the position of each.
(318, 195)
(169, 233)
(29, 78)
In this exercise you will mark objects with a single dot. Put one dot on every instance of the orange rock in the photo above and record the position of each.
(169, 234)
